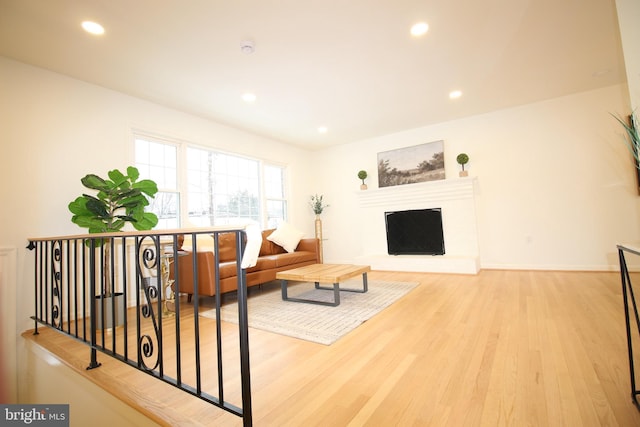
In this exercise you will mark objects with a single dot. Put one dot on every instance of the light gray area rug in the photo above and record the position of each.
(311, 322)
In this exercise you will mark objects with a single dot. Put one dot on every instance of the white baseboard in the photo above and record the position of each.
(422, 263)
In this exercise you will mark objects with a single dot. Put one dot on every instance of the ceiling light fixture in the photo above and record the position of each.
(93, 28)
(419, 29)
(322, 129)
(249, 97)
(455, 94)
(247, 47)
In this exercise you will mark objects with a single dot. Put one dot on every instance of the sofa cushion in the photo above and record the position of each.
(286, 236)
(228, 269)
(292, 258)
(226, 247)
(264, 263)
(268, 247)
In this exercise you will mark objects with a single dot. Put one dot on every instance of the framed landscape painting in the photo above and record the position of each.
(419, 163)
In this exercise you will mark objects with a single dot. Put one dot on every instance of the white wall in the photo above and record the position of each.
(556, 184)
(628, 18)
(58, 383)
(56, 129)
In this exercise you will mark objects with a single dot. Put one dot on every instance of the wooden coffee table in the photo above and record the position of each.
(324, 273)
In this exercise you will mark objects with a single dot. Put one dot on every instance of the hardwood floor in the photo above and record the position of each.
(508, 348)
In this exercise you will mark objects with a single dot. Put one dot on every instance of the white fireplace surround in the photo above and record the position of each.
(456, 198)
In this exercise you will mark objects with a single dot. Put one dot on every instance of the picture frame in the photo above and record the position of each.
(409, 165)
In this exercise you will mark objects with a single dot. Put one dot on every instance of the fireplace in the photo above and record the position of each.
(414, 232)
(455, 198)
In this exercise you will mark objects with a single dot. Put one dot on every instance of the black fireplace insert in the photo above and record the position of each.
(415, 232)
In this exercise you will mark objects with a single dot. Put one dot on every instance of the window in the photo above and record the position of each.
(223, 189)
(219, 188)
(276, 204)
(159, 161)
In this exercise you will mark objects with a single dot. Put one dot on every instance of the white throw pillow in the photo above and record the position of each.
(286, 236)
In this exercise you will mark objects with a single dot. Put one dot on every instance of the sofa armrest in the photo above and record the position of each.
(206, 273)
(310, 245)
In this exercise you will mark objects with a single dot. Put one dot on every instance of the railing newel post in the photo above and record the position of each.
(92, 308)
(243, 325)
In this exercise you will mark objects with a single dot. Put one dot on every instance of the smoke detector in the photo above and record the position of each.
(247, 47)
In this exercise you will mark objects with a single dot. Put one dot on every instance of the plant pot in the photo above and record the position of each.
(363, 186)
(464, 173)
(105, 303)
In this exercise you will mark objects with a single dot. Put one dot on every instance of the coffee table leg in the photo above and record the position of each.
(365, 286)
(334, 303)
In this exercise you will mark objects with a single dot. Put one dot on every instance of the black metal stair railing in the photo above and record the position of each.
(114, 293)
(631, 315)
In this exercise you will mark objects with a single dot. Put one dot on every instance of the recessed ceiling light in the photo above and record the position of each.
(249, 97)
(455, 94)
(419, 29)
(93, 27)
(322, 129)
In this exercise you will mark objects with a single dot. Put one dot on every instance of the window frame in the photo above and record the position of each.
(182, 171)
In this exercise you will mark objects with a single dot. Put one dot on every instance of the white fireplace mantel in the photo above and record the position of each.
(423, 193)
(456, 198)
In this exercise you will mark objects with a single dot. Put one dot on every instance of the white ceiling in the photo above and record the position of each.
(349, 65)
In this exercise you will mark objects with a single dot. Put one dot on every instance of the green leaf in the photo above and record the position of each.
(126, 194)
(633, 141)
(90, 197)
(79, 206)
(133, 203)
(147, 186)
(98, 208)
(117, 177)
(90, 223)
(116, 225)
(148, 221)
(124, 186)
(102, 229)
(133, 173)
(135, 214)
(94, 182)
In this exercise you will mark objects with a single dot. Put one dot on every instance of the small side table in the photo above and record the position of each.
(169, 305)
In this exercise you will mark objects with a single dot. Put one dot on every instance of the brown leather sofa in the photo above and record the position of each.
(272, 258)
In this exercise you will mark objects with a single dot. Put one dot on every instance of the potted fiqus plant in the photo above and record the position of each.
(120, 199)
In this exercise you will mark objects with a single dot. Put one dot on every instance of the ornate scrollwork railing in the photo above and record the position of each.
(56, 260)
(149, 259)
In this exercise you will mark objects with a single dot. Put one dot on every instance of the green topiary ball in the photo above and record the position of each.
(462, 158)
